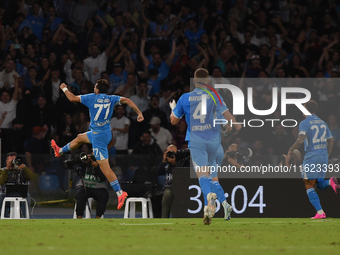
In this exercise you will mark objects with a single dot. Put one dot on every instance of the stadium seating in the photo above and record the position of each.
(49, 182)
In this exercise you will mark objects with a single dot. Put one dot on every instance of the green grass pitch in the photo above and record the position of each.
(169, 236)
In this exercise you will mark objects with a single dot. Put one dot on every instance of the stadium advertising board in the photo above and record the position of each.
(254, 198)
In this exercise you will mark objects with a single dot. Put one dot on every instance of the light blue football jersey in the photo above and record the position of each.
(200, 127)
(317, 133)
(101, 109)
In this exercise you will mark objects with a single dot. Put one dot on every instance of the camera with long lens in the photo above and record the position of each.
(242, 155)
(82, 159)
(17, 162)
(16, 176)
(179, 155)
(83, 165)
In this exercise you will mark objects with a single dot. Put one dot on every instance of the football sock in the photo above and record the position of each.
(205, 185)
(323, 184)
(217, 188)
(314, 199)
(115, 185)
(320, 211)
(205, 195)
(65, 149)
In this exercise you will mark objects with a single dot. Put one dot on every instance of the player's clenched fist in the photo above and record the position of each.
(140, 118)
(172, 104)
(63, 85)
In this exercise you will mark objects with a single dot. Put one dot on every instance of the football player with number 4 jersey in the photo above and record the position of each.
(199, 108)
(101, 109)
(318, 140)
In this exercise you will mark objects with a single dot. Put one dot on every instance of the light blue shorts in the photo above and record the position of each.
(203, 153)
(99, 142)
(315, 167)
(217, 162)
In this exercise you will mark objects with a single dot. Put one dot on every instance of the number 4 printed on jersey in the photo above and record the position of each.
(200, 116)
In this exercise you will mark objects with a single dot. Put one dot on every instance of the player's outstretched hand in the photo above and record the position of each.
(63, 85)
(140, 118)
(172, 104)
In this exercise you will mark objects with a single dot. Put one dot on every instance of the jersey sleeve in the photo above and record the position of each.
(328, 133)
(115, 100)
(87, 100)
(220, 109)
(179, 111)
(303, 128)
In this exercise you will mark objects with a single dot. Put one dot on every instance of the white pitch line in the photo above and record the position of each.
(145, 224)
(286, 247)
(269, 222)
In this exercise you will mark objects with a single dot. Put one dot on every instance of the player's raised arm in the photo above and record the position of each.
(129, 102)
(70, 96)
(173, 119)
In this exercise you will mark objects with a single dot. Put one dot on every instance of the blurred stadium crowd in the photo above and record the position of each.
(149, 51)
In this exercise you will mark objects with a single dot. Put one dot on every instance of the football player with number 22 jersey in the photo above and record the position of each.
(318, 140)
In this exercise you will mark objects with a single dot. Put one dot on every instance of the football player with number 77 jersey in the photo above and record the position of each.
(101, 109)
(318, 140)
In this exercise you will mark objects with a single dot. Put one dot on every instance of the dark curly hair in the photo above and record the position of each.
(103, 86)
(311, 106)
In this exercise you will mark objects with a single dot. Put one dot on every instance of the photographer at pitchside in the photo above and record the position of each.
(171, 158)
(92, 183)
(14, 177)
